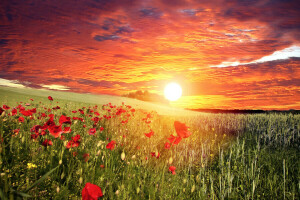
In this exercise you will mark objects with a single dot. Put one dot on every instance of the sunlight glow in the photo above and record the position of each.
(173, 91)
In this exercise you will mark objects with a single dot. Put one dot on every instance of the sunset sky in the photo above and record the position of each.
(225, 54)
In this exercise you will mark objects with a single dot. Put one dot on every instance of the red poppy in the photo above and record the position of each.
(55, 130)
(86, 157)
(74, 142)
(33, 110)
(21, 119)
(172, 169)
(74, 111)
(50, 98)
(102, 166)
(26, 112)
(153, 154)
(47, 143)
(111, 145)
(65, 120)
(14, 112)
(27, 104)
(16, 132)
(101, 129)
(167, 145)
(174, 140)
(182, 129)
(31, 99)
(1, 110)
(91, 192)
(5, 107)
(67, 129)
(151, 133)
(36, 129)
(92, 131)
(34, 136)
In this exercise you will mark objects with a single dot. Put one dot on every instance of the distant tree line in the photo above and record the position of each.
(147, 96)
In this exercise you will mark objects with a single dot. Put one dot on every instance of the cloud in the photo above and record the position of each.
(55, 87)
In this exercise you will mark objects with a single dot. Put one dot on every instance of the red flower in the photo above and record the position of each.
(102, 166)
(16, 132)
(154, 155)
(151, 133)
(91, 192)
(167, 145)
(86, 157)
(33, 110)
(172, 169)
(101, 129)
(1, 110)
(74, 142)
(174, 140)
(34, 136)
(26, 112)
(65, 120)
(5, 107)
(14, 112)
(47, 143)
(111, 145)
(31, 99)
(21, 119)
(92, 131)
(67, 129)
(55, 130)
(74, 111)
(50, 98)
(182, 129)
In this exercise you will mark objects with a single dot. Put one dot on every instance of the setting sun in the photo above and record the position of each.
(173, 91)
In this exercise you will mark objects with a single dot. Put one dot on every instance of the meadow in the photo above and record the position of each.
(53, 145)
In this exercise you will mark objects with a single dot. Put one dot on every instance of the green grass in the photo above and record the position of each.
(227, 156)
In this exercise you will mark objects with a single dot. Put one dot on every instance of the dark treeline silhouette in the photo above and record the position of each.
(147, 96)
(236, 111)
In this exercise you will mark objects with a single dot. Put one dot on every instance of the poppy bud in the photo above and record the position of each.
(170, 160)
(123, 155)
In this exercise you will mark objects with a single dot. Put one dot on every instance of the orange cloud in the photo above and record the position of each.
(115, 47)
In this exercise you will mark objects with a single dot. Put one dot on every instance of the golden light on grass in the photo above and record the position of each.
(173, 91)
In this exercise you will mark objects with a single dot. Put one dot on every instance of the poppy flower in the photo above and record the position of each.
(174, 140)
(172, 169)
(5, 107)
(34, 136)
(16, 132)
(151, 133)
(92, 131)
(26, 112)
(33, 110)
(50, 98)
(101, 129)
(55, 131)
(86, 157)
(31, 99)
(74, 142)
(21, 119)
(65, 120)
(167, 145)
(1, 110)
(14, 112)
(182, 129)
(91, 192)
(111, 145)
(153, 154)
(47, 143)
(67, 129)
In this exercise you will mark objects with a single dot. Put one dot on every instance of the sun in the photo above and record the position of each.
(173, 91)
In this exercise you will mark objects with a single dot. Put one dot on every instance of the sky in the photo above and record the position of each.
(234, 54)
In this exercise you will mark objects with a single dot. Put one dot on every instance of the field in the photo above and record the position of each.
(50, 149)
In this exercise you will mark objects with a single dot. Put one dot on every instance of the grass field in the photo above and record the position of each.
(134, 150)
